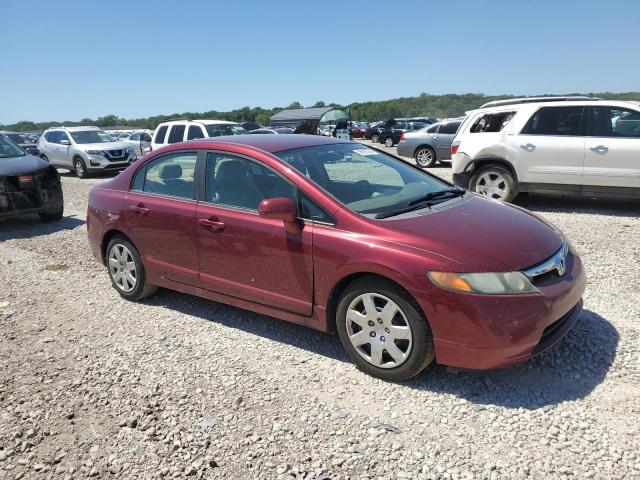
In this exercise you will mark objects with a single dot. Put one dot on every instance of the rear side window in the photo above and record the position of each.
(176, 134)
(195, 131)
(433, 128)
(614, 122)
(449, 128)
(170, 175)
(565, 121)
(161, 134)
(491, 122)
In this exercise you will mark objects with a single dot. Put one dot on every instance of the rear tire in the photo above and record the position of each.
(388, 142)
(425, 157)
(126, 270)
(392, 346)
(494, 181)
(80, 168)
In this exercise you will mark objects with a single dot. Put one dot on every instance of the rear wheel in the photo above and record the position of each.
(79, 167)
(494, 181)
(388, 142)
(126, 270)
(375, 138)
(426, 157)
(383, 332)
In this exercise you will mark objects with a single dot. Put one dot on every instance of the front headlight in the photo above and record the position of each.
(128, 150)
(96, 152)
(507, 283)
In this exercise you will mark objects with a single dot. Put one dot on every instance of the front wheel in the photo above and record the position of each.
(383, 332)
(494, 181)
(375, 138)
(55, 208)
(126, 270)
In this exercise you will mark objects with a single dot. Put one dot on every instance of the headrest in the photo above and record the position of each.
(170, 171)
(231, 168)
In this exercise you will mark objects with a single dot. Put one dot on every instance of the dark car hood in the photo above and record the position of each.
(18, 165)
(482, 235)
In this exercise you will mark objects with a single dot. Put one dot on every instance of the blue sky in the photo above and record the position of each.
(68, 60)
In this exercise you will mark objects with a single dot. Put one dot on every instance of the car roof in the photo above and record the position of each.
(271, 143)
(75, 129)
(561, 103)
(203, 121)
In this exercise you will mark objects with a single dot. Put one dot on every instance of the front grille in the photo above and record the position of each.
(116, 153)
(553, 267)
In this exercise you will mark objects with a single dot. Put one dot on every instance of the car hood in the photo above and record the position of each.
(104, 146)
(480, 235)
(18, 165)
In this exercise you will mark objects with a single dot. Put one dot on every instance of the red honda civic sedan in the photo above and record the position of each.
(340, 237)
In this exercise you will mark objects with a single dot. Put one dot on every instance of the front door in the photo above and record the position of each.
(242, 254)
(550, 148)
(612, 157)
(160, 214)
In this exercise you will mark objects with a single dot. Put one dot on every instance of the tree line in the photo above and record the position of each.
(441, 106)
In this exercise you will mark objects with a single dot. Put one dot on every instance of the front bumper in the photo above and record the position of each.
(489, 331)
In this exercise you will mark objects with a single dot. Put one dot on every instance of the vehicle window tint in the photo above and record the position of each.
(310, 210)
(176, 134)
(449, 128)
(615, 122)
(63, 136)
(161, 134)
(195, 131)
(242, 183)
(433, 128)
(171, 175)
(491, 122)
(135, 137)
(51, 137)
(138, 180)
(555, 121)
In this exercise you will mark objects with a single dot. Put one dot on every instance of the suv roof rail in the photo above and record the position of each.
(516, 101)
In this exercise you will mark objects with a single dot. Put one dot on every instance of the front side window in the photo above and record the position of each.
(63, 136)
(89, 136)
(566, 121)
(176, 134)
(170, 175)
(161, 134)
(491, 122)
(238, 182)
(52, 137)
(195, 131)
(614, 122)
(364, 180)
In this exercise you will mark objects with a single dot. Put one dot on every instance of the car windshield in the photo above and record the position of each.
(363, 179)
(91, 136)
(224, 129)
(9, 149)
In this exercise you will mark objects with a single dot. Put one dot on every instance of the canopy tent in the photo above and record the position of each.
(295, 118)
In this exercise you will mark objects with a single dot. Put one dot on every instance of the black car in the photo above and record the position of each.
(249, 126)
(23, 141)
(390, 135)
(372, 132)
(28, 184)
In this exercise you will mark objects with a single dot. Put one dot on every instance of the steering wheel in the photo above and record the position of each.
(363, 187)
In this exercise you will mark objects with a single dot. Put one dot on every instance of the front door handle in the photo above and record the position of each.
(601, 149)
(140, 209)
(529, 147)
(212, 223)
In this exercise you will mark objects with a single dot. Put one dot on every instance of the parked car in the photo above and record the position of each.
(250, 126)
(340, 237)
(557, 145)
(427, 120)
(372, 132)
(326, 130)
(84, 150)
(23, 141)
(391, 135)
(358, 129)
(182, 130)
(277, 130)
(140, 142)
(429, 145)
(28, 184)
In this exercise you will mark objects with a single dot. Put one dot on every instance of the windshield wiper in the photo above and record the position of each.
(424, 201)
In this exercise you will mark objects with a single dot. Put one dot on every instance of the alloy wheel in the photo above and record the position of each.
(388, 142)
(424, 157)
(122, 268)
(379, 330)
(493, 185)
(79, 168)
(375, 138)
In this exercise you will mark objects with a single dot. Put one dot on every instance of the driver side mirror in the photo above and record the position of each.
(65, 142)
(281, 209)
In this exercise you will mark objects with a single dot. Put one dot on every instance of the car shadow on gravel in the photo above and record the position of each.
(547, 203)
(570, 370)
(31, 226)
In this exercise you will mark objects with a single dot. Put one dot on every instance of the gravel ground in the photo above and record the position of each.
(176, 386)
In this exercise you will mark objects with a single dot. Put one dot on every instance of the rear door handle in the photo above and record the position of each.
(529, 147)
(140, 209)
(211, 223)
(601, 149)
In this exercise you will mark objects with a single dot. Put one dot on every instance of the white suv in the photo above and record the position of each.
(84, 150)
(183, 130)
(563, 145)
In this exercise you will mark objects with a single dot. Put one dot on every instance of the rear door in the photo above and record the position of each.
(612, 155)
(550, 147)
(160, 213)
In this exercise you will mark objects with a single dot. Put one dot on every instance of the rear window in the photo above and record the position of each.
(491, 122)
(555, 121)
(176, 134)
(449, 128)
(161, 133)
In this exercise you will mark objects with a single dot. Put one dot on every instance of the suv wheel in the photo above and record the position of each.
(383, 332)
(375, 138)
(494, 182)
(126, 270)
(79, 167)
(388, 142)
(425, 157)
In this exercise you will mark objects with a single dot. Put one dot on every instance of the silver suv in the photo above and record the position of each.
(84, 150)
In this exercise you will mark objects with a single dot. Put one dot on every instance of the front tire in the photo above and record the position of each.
(426, 157)
(383, 332)
(54, 213)
(80, 168)
(375, 138)
(126, 270)
(494, 181)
